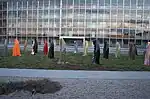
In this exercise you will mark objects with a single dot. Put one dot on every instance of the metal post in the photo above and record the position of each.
(17, 21)
(48, 18)
(123, 24)
(7, 24)
(136, 21)
(27, 21)
(84, 18)
(43, 22)
(21, 20)
(110, 23)
(130, 25)
(60, 24)
(6, 40)
(37, 21)
(116, 22)
(103, 21)
(143, 22)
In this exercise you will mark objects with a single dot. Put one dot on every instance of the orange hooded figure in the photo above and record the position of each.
(16, 49)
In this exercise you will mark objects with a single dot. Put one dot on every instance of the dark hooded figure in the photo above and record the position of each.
(51, 49)
(106, 50)
(136, 50)
(132, 51)
(35, 46)
(96, 52)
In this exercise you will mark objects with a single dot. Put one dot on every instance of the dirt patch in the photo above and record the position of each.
(33, 86)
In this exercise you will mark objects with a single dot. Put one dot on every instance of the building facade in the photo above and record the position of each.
(110, 20)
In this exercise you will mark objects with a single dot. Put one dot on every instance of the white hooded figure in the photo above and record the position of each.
(32, 52)
(63, 45)
(76, 47)
(117, 50)
(86, 48)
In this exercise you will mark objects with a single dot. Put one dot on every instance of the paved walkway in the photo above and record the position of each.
(74, 74)
(92, 85)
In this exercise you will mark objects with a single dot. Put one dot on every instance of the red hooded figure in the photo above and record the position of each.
(45, 47)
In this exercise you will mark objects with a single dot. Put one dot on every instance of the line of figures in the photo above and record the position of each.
(96, 58)
(49, 52)
(96, 53)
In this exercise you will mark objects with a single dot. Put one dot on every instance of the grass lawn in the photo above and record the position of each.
(75, 62)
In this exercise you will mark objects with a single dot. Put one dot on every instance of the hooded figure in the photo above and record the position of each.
(63, 49)
(75, 46)
(25, 45)
(132, 51)
(117, 50)
(147, 56)
(16, 48)
(51, 49)
(136, 50)
(45, 48)
(35, 46)
(5, 48)
(106, 50)
(96, 52)
(32, 52)
(86, 48)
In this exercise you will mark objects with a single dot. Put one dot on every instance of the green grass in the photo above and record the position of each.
(75, 62)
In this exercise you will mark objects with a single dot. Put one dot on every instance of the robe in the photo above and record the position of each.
(51, 50)
(147, 56)
(63, 50)
(106, 50)
(136, 50)
(35, 46)
(94, 53)
(117, 50)
(132, 51)
(75, 47)
(5, 48)
(97, 53)
(25, 45)
(16, 49)
(86, 48)
(45, 49)
(96, 57)
(32, 51)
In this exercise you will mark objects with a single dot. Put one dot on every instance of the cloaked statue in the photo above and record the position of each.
(25, 45)
(85, 48)
(5, 48)
(45, 49)
(132, 50)
(147, 55)
(32, 52)
(96, 52)
(75, 47)
(35, 46)
(51, 49)
(16, 48)
(106, 50)
(117, 55)
(136, 52)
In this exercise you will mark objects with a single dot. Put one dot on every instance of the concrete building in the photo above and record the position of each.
(111, 20)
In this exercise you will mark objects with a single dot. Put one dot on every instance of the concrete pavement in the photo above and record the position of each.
(67, 74)
(83, 84)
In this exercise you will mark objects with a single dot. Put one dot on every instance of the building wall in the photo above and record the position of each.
(117, 20)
